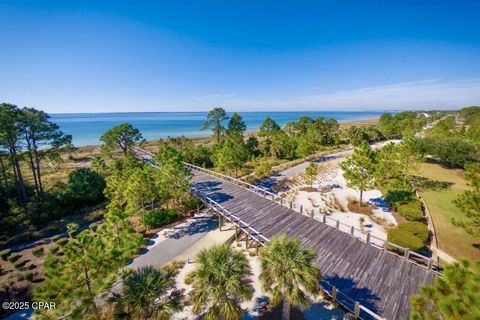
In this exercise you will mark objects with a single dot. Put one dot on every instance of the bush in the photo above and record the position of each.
(5, 253)
(411, 211)
(158, 217)
(51, 262)
(13, 257)
(419, 229)
(84, 187)
(398, 191)
(27, 275)
(62, 241)
(53, 249)
(19, 264)
(263, 170)
(405, 239)
(38, 251)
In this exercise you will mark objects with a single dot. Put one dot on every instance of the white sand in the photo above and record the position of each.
(331, 197)
(319, 309)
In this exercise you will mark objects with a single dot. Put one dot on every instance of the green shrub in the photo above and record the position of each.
(53, 249)
(19, 264)
(405, 239)
(38, 251)
(398, 191)
(13, 257)
(417, 228)
(51, 262)
(158, 217)
(55, 237)
(411, 211)
(93, 226)
(62, 241)
(263, 170)
(5, 253)
(26, 275)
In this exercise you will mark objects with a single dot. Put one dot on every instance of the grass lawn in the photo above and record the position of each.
(439, 189)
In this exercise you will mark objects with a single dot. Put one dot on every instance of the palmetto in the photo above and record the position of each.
(289, 273)
(148, 293)
(220, 283)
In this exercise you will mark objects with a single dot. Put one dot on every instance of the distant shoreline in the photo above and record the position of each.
(343, 124)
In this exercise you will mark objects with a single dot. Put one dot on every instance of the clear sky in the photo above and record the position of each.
(102, 56)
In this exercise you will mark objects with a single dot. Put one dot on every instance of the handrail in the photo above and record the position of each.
(427, 262)
(255, 234)
(241, 183)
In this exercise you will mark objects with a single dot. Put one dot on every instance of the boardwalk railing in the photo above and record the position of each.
(366, 237)
(258, 190)
(357, 309)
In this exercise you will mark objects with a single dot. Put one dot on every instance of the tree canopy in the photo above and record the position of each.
(288, 273)
(360, 168)
(215, 117)
(122, 136)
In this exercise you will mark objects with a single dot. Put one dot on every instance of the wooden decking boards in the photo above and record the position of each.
(378, 280)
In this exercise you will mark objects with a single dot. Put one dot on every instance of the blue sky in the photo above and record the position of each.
(102, 56)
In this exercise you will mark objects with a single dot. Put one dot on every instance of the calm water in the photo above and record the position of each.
(86, 128)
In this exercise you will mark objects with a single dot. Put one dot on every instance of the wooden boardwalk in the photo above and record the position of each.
(378, 280)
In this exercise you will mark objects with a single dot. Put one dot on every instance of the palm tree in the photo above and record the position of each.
(220, 283)
(289, 273)
(148, 293)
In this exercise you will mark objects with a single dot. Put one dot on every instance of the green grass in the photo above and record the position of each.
(442, 187)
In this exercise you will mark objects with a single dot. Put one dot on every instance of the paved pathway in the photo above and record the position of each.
(173, 242)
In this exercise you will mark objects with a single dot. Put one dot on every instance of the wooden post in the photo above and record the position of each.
(407, 253)
(220, 221)
(324, 219)
(301, 209)
(198, 206)
(291, 205)
(334, 294)
(281, 201)
(236, 234)
(256, 249)
(356, 310)
(246, 239)
(368, 237)
(385, 246)
(337, 225)
(273, 197)
(311, 214)
(430, 264)
(352, 231)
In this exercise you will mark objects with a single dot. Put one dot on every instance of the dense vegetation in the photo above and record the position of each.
(81, 268)
(27, 140)
(455, 295)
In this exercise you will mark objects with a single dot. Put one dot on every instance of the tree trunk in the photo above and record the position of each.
(361, 197)
(39, 175)
(34, 171)
(286, 310)
(4, 174)
(21, 191)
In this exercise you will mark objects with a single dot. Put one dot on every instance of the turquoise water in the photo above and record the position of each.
(86, 128)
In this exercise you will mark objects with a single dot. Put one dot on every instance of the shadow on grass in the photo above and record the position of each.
(426, 184)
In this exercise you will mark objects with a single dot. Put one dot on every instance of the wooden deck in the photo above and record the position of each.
(378, 280)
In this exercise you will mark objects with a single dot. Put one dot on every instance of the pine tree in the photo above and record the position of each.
(236, 125)
(469, 201)
(453, 296)
(310, 173)
(360, 169)
(214, 121)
